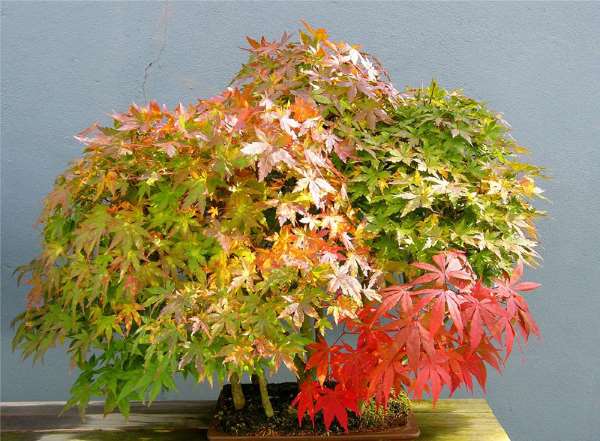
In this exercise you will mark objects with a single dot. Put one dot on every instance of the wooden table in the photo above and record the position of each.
(450, 420)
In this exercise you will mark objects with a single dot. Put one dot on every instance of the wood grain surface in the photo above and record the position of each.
(449, 420)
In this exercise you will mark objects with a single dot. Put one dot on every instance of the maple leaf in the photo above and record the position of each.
(344, 149)
(481, 311)
(318, 187)
(334, 404)
(315, 158)
(132, 285)
(36, 294)
(128, 313)
(288, 212)
(417, 340)
(306, 398)
(442, 298)
(197, 324)
(505, 326)
(265, 47)
(58, 197)
(392, 297)
(244, 277)
(386, 377)
(303, 110)
(341, 308)
(319, 34)
(516, 306)
(297, 310)
(331, 141)
(340, 280)
(434, 374)
(513, 284)
(319, 358)
(472, 364)
(255, 148)
(269, 155)
(449, 267)
(288, 124)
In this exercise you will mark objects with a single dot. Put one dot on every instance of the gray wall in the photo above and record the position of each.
(65, 65)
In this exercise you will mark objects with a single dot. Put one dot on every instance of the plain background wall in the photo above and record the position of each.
(66, 65)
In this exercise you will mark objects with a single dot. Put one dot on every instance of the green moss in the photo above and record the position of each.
(378, 416)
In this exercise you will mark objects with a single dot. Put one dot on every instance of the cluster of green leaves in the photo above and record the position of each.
(148, 265)
(444, 175)
(214, 239)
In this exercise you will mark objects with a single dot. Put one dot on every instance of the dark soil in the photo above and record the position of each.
(252, 420)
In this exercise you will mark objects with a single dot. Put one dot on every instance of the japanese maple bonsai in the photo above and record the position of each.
(227, 237)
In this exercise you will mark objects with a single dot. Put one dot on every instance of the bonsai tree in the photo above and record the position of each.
(227, 237)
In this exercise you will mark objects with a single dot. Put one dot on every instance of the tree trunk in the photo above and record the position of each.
(264, 395)
(239, 401)
(307, 330)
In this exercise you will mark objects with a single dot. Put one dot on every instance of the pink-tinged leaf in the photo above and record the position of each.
(517, 273)
(452, 302)
(476, 329)
(450, 267)
(255, 148)
(417, 339)
(288, 125)
(425, 278)
(437, 315)
(281, 155)
(393, 297)
(344, 150)
(426, 266)
(443, 298)
(526, 286)
(474, 366)
(169, 148)
(433, 375)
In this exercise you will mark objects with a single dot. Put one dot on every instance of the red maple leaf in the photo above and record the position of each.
(334, 404)
(319, 358)
(433, 375)
(442, 298)
(481, 310)
(306, 398)
(417, 339)
(513, 283)
(391, 297)
(517, 308)
(406, 340)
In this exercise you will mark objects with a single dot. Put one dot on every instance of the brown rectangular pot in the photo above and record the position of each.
(410, 430)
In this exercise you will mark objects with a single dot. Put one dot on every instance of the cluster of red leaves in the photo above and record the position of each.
(441, 329)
